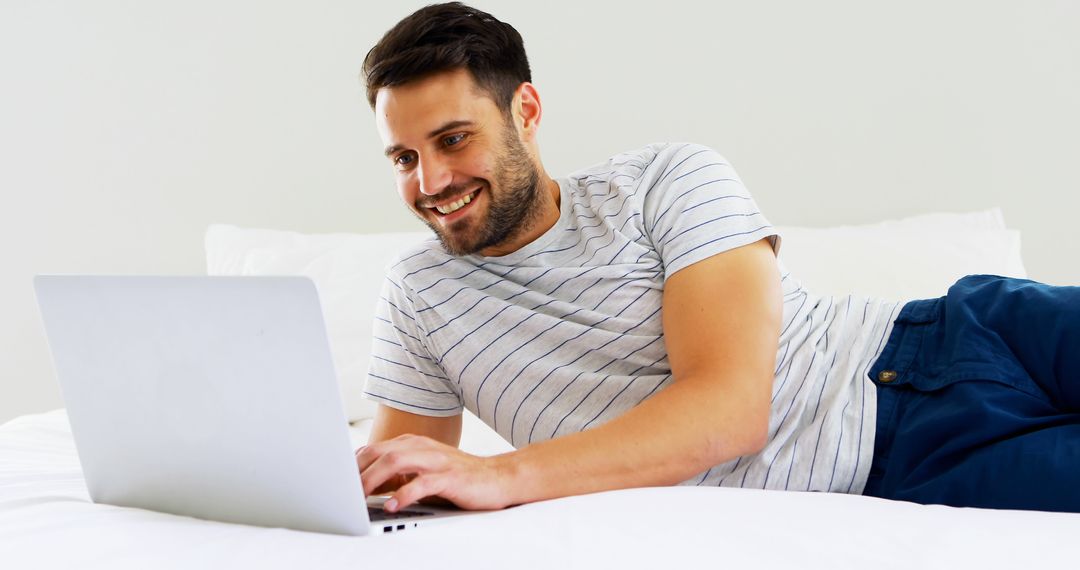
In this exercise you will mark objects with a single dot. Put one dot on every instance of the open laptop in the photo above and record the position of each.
(211, 397)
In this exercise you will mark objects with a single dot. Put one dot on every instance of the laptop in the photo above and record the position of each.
(210, 397)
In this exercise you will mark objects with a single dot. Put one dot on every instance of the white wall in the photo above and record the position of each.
(127, 127)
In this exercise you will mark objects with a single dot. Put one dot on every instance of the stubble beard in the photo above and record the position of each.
(514, 203)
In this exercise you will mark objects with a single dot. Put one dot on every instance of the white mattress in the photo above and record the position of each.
(47, 521)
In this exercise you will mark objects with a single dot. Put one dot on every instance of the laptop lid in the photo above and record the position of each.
(213, 397)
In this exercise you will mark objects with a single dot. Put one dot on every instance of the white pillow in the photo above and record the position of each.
(913, 258)
(348, 271)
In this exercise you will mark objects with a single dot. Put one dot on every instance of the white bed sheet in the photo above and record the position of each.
(47, 521)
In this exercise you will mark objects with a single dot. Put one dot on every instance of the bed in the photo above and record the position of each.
(48, 521)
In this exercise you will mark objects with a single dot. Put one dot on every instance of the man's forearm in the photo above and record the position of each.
(679, 432)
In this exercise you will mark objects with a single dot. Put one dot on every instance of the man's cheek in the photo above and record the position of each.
(407, 194)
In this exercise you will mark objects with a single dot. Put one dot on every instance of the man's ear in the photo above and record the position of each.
(527, 110)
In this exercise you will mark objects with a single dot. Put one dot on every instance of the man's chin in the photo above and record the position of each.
(456, 245)
(456, 250)
(466, 239)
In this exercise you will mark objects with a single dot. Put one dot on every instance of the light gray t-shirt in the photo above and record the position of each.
(565, 333)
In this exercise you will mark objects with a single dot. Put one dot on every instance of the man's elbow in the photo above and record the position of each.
(749, 439)
(755, 437)
(752, 432)
(758, 437)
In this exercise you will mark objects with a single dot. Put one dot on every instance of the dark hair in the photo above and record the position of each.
(444, 37)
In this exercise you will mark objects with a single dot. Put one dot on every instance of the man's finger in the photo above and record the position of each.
(367, 454)
(417, 489)
(399, 462)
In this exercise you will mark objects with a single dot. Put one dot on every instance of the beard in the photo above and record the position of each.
(515, 202)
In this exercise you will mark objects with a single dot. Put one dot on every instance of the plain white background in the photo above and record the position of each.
(127, 127)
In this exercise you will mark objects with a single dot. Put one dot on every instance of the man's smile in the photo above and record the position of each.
(454, 209)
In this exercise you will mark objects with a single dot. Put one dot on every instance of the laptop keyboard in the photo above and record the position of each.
(376, 514)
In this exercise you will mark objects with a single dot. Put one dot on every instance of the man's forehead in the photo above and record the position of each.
(420, 107)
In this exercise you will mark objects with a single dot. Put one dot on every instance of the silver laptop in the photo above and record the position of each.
(211, 397)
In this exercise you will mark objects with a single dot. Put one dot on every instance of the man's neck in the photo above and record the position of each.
(540, 223)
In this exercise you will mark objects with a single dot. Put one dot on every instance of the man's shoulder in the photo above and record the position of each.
(644, 162)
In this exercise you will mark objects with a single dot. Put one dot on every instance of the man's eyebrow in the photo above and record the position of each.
(449, 127)
(442, 129)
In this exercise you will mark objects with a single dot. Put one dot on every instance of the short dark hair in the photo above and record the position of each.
(445, 37)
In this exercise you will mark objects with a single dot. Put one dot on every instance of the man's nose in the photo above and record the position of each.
(434, 176)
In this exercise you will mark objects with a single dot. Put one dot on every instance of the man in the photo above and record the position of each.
(630, 325)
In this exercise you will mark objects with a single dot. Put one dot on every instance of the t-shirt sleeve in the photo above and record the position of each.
(403, 373)
(696, 207)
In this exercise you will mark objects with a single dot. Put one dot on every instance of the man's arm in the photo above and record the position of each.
(390, 423)
(721, 326)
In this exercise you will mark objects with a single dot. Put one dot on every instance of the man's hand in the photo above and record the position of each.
(434, 469)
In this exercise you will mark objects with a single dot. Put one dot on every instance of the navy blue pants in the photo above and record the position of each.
(979, 398)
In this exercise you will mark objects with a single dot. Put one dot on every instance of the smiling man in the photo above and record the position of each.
(478, 185)
(630, 325)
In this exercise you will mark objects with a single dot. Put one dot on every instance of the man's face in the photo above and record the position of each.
(460, 165)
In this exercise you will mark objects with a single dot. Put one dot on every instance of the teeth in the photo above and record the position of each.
(454, 206)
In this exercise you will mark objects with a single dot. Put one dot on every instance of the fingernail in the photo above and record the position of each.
(390, 504)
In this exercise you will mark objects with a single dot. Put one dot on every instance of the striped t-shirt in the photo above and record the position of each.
(565, 333)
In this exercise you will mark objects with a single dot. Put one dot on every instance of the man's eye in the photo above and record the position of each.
(453, 139)
(403, 160)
